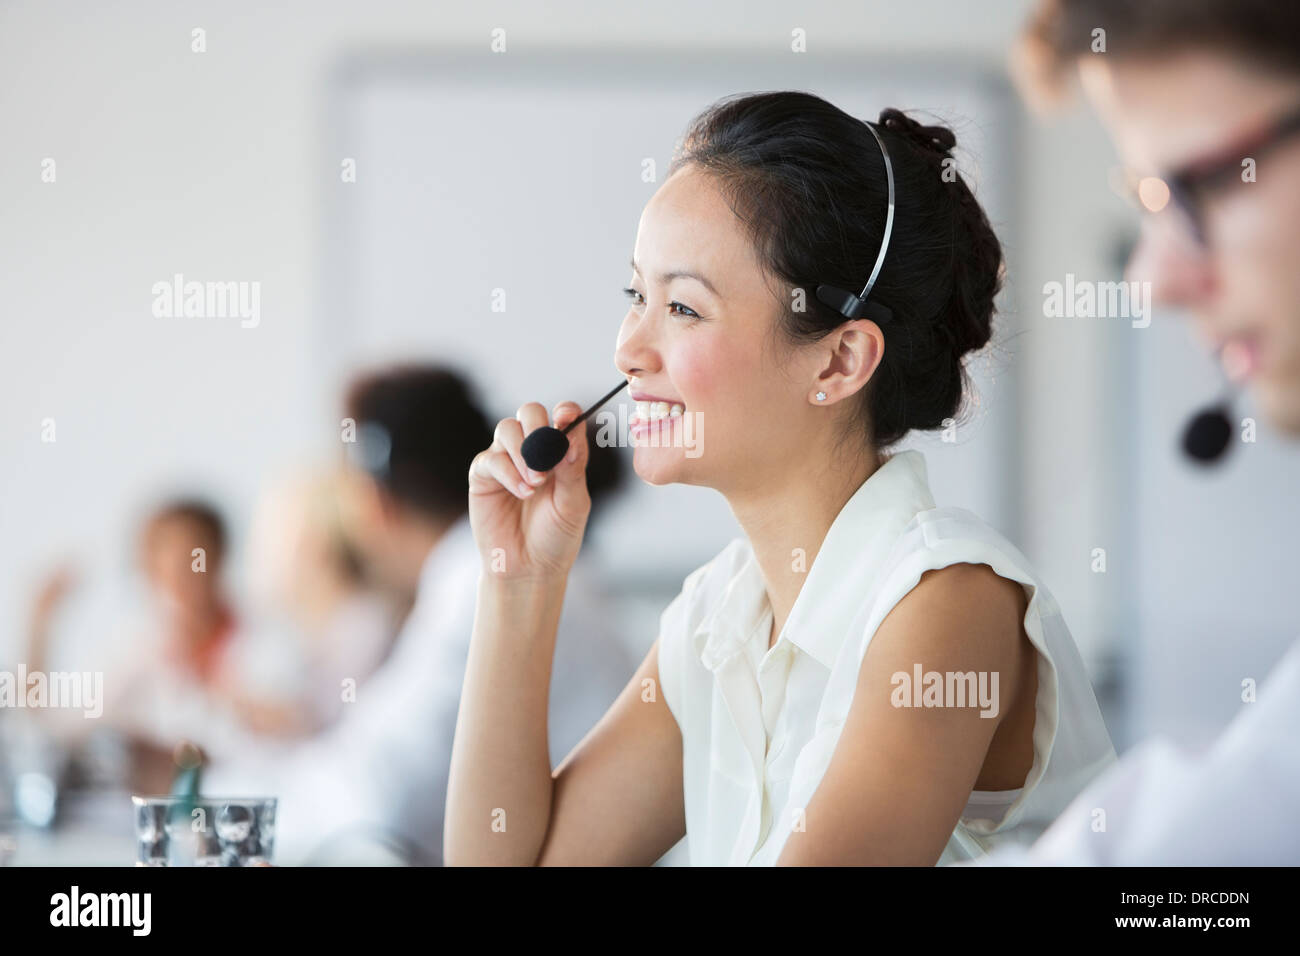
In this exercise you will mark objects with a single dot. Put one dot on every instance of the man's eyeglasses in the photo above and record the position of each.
(1184, 192)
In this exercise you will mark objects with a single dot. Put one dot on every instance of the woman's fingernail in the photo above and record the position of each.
(536, 477)
(526, 489)
(572, 456)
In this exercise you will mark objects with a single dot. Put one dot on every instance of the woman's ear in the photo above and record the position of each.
(855, 350)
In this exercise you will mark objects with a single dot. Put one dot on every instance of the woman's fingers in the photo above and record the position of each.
(571, 472)
(508, 437)
(563, 413)
(531, 417)
(503, 463)
(494, 467)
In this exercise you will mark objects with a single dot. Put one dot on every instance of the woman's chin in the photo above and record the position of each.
(657, 466)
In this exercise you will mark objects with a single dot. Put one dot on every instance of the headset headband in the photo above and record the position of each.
(845, 302)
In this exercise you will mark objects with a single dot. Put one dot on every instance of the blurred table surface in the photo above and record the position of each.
(98, 829)
(93, 829)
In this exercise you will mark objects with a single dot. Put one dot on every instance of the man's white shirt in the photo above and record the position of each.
(1237, 803)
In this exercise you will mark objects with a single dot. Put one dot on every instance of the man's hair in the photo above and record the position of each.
(418, 428)
(1265, 33)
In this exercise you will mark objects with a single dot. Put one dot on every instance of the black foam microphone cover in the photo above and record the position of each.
(1208, 434)
(544, 448)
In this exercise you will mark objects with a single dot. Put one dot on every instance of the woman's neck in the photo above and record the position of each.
(786, 523)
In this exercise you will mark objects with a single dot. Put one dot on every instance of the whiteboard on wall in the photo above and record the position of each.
(523, 172)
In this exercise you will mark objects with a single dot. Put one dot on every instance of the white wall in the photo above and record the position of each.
(211, 165)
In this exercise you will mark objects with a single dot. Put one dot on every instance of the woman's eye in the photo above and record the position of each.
(676, 308)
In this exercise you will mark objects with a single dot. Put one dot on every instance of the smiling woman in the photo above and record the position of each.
(763, 724)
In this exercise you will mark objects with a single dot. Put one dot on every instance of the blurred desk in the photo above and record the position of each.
(93, 829)
(72, 846)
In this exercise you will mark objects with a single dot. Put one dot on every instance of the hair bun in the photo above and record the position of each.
(935, 139)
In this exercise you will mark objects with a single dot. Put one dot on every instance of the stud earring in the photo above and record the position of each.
(821, 396)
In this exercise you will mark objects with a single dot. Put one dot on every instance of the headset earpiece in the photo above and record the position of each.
(856, 306)
(851, 306)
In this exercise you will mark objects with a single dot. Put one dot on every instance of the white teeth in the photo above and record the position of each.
(653, 411)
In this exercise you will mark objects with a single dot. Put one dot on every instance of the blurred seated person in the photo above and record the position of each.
(170, 675)
(182, 552)
(322, 621)
(373, 787)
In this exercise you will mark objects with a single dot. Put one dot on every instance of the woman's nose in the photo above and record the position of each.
(635, 353)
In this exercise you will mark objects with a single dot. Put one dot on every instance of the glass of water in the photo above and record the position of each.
(204, 831)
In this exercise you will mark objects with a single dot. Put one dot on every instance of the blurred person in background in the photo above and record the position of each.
(373, 786)
(172, 676)
(313, 597)
(1189, 91)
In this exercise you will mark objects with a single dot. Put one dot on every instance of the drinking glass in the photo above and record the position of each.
(204, 831)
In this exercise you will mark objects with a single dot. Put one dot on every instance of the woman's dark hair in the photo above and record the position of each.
(808, 182)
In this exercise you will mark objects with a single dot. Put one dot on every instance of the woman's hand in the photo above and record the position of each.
(529, 524)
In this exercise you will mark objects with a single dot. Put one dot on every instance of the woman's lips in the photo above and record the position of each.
(640, 428)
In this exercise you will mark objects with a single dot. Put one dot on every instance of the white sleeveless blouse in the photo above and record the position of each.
(759, 725)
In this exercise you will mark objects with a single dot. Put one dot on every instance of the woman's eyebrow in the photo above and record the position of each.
(679, 274)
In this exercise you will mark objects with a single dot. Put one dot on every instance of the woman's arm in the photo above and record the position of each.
(900, 777)
(617, 798)
(499, 790)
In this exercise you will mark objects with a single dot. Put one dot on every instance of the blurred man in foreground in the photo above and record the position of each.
(1202, 98)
